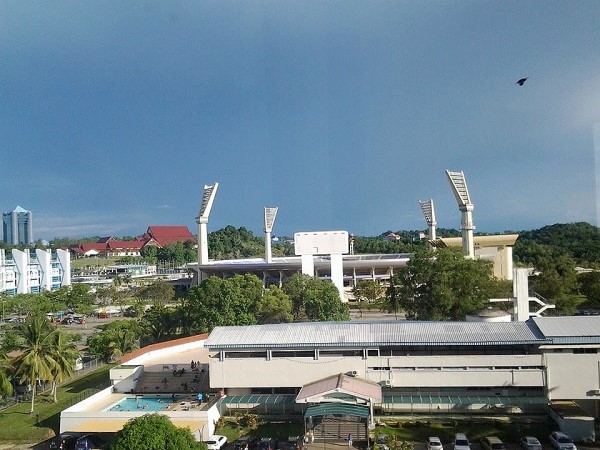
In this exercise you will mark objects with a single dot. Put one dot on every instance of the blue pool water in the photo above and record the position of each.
(141, 403)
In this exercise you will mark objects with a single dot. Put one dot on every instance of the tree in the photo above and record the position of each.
(274, 307)
(6, 388)
(35, 362)
(392, 301)
(222, 302)
(114, 339)
(323, 304)
(154, 432)
(444, 285)
(314, 299)
(160, 293)
(589, 285)
(368, 291)
(159, 321)
(63, 350)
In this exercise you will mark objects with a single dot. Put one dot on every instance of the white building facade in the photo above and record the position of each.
(32, 271)
(421, 366)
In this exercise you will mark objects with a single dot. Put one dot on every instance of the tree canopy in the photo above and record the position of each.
(442, 286)
(154, 432)
(314, 299)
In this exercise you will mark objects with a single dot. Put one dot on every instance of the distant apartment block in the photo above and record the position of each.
(17, 227)
(32, 271)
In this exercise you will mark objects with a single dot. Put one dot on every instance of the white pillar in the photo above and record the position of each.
(202, 243)
(45, 261)
(467, 228)
(64, 258)
(337, 273)
(268, 254)
(21, 260)
(521, 294)
(308, 265)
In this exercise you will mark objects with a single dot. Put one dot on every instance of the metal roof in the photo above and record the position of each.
(570, 329)
(294, 263)
(379, 333)
(342, 383)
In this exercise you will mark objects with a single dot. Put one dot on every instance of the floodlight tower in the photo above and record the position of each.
(270, 214)
(429, 213)
(459, 187)
(202, 220)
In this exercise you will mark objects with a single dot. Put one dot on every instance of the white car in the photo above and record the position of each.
(215, 442)
(461, 442)
(561, 441)
(434, 443)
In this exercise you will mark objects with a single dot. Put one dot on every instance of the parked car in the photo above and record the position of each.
(434, 443)
(292, 443)
(561, 441)
(461, 442)
(245, 442)
(530, 443)
(492, 443)
(215, 442)
(267, 443)
(64, 442)
(88, 442)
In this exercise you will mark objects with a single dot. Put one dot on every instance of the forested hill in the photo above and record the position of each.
(579, 240)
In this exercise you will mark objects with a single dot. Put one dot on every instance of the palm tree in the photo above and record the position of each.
(36, 361)
(123, 341)
(5, 384)
(64, 353)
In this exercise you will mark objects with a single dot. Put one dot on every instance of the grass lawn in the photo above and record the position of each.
(510, 430)
(78, 263)
(18, 425)
(279, 430)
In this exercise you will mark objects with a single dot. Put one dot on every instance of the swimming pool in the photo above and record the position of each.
(141, 403)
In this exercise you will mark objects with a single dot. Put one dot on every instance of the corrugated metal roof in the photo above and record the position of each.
(570, 329)
(380, 333)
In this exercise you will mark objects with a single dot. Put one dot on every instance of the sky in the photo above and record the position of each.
(343, 114)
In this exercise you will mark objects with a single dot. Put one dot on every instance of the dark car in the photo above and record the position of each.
(64, 442)
(88, 442)
(292, 443)
(267, 443)
(245, 442)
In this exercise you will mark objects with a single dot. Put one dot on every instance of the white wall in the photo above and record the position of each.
(572, 376)
(438, 371)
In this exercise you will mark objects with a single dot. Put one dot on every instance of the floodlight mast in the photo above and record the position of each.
(270, 214)
(210, 191)
(461, 193)
(429, 213)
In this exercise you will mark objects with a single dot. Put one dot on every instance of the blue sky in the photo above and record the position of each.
(113, 115)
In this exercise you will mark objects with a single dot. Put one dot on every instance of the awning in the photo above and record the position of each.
(337, 409)
(246, 401)
(113, 425)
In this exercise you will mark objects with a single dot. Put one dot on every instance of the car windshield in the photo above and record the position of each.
(564, 440)
(434, 442)
(461, 442)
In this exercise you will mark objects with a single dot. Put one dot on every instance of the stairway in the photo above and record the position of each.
(334, 428)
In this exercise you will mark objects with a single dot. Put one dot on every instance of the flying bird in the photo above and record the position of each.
(522, 81)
